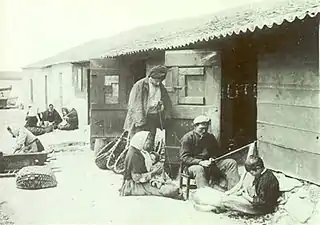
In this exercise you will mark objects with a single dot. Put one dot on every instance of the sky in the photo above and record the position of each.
(31, 30)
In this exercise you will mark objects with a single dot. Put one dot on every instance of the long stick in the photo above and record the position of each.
(232, 152)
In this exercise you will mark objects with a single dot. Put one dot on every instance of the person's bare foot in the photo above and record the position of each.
(204, 208)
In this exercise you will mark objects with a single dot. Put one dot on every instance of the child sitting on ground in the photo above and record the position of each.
(263, 198)
(259, 200)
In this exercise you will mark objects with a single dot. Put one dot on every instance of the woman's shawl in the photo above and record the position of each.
(138, 141)
(134, 163)
(72, 118)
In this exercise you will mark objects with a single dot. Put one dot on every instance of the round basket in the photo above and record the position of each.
(35, 177)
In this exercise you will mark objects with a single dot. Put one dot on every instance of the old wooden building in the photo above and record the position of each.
(254, 70)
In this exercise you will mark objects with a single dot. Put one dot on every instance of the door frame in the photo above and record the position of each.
(88, 96)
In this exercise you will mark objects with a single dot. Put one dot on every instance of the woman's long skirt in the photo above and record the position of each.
(131, 188)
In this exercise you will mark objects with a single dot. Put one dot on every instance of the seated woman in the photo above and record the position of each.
(32, 124)
(138, 173)
(26, 142)
(70, 119)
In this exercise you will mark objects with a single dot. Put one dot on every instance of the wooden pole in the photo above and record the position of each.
(250, 152)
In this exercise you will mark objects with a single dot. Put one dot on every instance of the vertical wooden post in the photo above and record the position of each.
(319, 59)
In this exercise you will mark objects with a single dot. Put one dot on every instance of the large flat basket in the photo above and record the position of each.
(18, 161)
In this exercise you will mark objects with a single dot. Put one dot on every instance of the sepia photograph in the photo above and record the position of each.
(159, 112)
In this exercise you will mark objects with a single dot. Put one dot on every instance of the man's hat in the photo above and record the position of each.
(201, 119)
(158, 72)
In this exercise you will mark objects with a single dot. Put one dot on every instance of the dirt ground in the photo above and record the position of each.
(88, 195)
(85, 194)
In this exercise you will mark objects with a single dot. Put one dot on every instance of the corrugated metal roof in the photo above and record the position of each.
(183, 32)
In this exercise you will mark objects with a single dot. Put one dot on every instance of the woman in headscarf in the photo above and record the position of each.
(139, 171)
(26, 142)
(33, 123)
(70, 119)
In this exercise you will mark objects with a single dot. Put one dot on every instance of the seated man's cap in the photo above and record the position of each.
(201, 119)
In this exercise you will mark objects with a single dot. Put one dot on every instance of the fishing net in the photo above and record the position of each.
(119, 164)
(106, 157)
(116, 150)
(35, 177)
(102, 156)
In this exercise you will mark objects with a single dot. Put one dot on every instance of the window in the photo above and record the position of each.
(192, 86)
(111, 89)
(79, 79)
(31, 90)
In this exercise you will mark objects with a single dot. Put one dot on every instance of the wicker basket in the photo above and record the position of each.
(35, 177)
(103, 155)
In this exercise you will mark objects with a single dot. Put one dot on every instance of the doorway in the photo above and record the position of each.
(138, 70)
(238, 103)
(88, 96)
(31, 90)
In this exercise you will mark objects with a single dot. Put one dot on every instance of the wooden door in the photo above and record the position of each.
(194, 86)
(107, 98)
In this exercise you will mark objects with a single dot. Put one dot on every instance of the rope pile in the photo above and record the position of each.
(113, 154)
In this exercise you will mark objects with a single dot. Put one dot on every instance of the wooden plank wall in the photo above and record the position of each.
(288, 105)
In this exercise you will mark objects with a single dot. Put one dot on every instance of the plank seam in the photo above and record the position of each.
(283, 104)
(281, 146)
(289, 127)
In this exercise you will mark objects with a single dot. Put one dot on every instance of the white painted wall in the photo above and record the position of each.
(69, 98)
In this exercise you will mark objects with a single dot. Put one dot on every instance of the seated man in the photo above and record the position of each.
(70, 119)
(198, 148)
(26, 142)
(52, 116)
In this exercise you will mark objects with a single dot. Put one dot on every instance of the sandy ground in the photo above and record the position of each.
(86, 194)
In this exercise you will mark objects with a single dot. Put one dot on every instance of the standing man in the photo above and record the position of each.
(198, 148)
(149, 105)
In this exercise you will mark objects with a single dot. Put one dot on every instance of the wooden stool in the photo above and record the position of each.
(188, 177)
